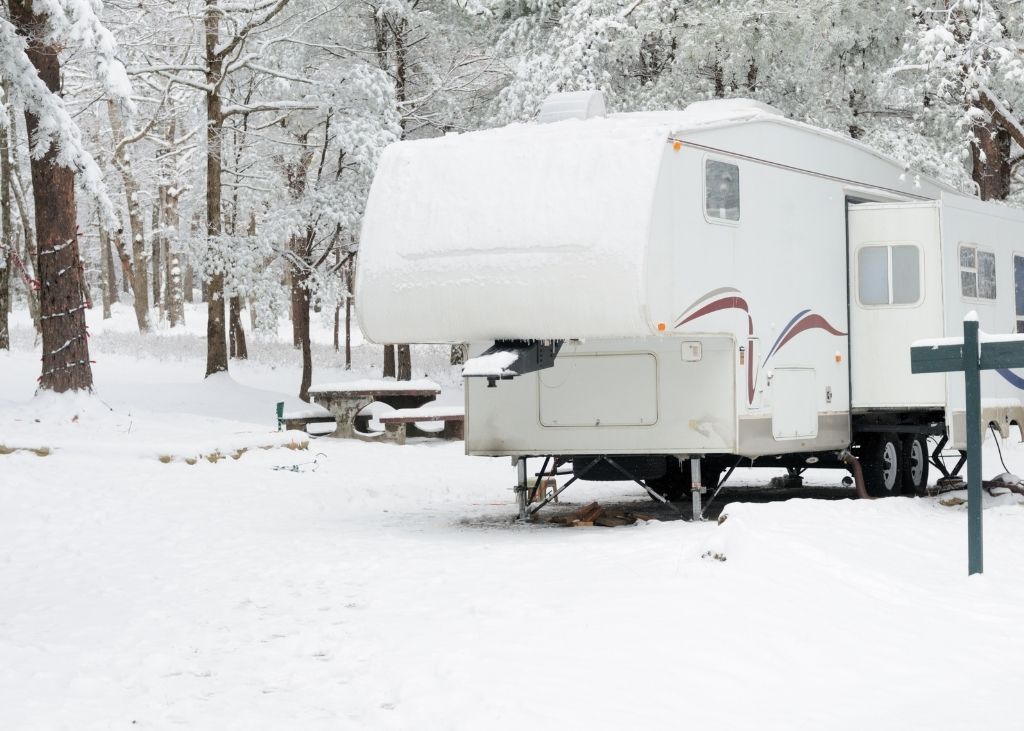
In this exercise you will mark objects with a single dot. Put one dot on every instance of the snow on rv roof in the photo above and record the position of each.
(562, 208)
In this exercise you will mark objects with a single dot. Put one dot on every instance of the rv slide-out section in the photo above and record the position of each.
(916, 269)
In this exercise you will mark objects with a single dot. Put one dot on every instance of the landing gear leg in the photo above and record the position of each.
(696, 488)
(522, 487)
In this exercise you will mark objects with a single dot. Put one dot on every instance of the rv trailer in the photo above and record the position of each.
(706, 287)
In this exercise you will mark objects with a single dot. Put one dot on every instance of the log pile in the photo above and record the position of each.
(593, 514)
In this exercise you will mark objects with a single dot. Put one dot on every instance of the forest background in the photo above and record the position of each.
(160, 152)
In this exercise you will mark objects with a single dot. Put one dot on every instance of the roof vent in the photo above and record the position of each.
(572, 105)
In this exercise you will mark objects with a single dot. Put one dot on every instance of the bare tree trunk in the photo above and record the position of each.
(238, 348)
(404, 362)
(189, 276)
(28, 232)
(123, 163)
(337, 327)
(110, 269)
(31, 294)
(349, 287)
(216, 336)
(157, 253)
(7, 242)
(296, 302)
(990, 161)
(175, 297)
(66, 365)
(106, 280)
(460, 351)
(5, 297)
(302, 318)
(391, 34)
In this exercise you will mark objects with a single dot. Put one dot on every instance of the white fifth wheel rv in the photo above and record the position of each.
(719, 284)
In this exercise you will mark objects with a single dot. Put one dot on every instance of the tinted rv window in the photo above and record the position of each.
(977, 272)
(889, 275)
(722, 190)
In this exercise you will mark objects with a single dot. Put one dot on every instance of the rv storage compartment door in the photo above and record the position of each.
(614, 389)
(794, 412)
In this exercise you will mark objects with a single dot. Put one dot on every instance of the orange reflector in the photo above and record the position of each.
(676, 145)
(661, 327)
(839, 357)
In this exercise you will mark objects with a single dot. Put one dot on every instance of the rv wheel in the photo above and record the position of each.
(915, 464)
(880, 458)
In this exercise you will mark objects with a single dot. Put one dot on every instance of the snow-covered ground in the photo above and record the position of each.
(385, 587)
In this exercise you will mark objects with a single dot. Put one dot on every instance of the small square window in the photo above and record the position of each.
(977, 272)
(889, 274)
(722, 190)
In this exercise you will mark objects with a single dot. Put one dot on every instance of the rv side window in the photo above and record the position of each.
(722, 190)
(977, 272)
(1018, 290)
(889, 275)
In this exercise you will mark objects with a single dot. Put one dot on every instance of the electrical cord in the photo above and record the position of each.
(999, 449)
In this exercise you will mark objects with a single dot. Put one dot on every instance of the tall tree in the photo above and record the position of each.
(30, 47)
(66, 364)
(6, 232)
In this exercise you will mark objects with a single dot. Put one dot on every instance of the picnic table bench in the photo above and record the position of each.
(345, 400)
(300, 419)
(397, 423)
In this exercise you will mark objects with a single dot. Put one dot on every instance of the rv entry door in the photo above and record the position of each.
(895, 291)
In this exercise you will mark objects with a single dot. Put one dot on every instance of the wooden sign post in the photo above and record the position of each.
(970, 356)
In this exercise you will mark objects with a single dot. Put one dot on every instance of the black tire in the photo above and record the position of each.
(880, 458)
(676, 484)
(914, 464)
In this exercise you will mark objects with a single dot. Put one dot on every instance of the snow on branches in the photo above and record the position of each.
(63, 23)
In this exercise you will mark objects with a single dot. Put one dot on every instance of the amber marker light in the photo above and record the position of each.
(839, 357)
(661, 327)
(677, 145)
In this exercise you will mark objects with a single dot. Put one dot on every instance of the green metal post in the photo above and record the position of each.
(972, 387)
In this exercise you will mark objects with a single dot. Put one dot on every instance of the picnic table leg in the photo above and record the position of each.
(345, 411)
(394, 433)
(454, 429)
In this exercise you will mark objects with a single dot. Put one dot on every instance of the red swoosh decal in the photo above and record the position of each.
(811, 322)
(726, 303)
(750, 371)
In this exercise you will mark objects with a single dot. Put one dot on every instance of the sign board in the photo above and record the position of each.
(970, 355)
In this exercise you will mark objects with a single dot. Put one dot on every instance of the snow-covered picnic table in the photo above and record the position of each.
(346, 399)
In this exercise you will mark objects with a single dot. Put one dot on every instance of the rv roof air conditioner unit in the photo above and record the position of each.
(572, 105)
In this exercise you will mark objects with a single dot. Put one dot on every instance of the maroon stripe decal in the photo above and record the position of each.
(811, 322)
(750, 370)
(726, 303)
